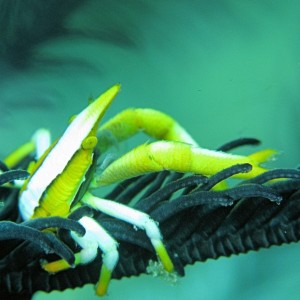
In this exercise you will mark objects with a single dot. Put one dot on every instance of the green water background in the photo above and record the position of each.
(223, 69)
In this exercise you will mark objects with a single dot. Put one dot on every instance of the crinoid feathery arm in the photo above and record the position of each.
(180, 157)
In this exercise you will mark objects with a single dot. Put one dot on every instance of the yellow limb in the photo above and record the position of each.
(39, 142)
(59, 265)
(152, 122)
(62, 265)
(163, 255)
(16, 156)
(178, 157)
(104, 280)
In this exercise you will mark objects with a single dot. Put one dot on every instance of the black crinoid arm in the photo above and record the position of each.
(197, 221)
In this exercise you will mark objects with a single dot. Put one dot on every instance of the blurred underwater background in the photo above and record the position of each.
(224, 69)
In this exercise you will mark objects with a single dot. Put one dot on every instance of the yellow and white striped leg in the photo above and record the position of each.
(39, 143)
(152, 122)
(179, 157)
(94, 238)
(136, 218)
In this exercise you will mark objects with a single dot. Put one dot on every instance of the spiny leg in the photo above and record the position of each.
(94, 238)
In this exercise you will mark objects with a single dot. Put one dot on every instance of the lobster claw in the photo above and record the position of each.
(58, 156)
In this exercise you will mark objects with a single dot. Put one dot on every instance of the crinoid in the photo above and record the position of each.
(62, 236)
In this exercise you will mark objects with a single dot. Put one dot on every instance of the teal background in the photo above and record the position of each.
(223, 69)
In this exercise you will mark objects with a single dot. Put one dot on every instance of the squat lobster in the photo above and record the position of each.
(59, 173)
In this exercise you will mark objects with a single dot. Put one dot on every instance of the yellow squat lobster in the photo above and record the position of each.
(58, 174)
